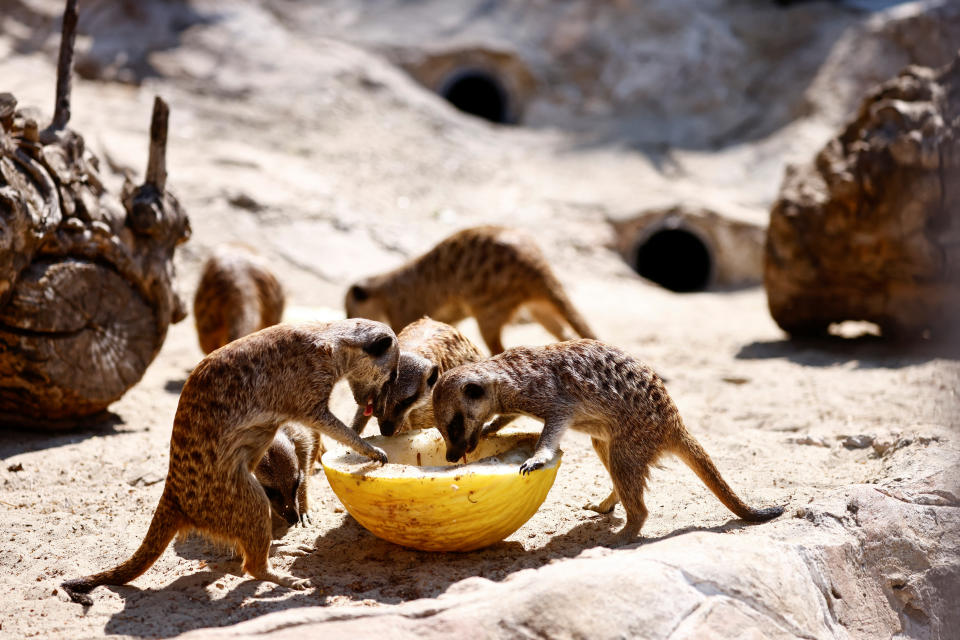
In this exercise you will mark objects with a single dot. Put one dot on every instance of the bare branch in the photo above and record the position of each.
(157, 162)
(61, 112)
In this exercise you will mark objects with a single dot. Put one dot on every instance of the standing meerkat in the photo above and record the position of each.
(484, 272)
(237, 295)
(283, 472)
(230, 409)
(591, 387)
(427, 349)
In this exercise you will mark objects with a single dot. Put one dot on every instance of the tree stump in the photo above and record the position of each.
(86, 278)
(871, 229)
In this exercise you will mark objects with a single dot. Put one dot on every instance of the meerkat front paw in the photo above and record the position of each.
(378, 454)
(531, 464)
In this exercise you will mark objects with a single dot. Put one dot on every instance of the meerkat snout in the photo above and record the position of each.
(371, 374)
(408, 390)
(427, 349)
(465, 405)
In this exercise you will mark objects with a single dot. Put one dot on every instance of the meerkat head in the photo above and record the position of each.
(411, 388)
(463, 400)
(280, 476)
(365, 301)
(373, 359)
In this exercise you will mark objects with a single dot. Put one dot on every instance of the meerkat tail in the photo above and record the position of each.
(693, 455)
(565, 308)
(167, 521)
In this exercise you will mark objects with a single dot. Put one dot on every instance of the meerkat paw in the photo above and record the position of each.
(604, 507)
(377, 454)
(299, 584)
(302, 550)
(531, 465)
(305, 519)
(627, 535)
(601, 508)
(292, 583)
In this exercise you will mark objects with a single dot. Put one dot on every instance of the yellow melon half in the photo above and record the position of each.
(419, 500)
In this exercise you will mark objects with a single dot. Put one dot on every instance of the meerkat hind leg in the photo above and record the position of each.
(628, 470)
(248, 523)
(490, 322)
(603, 452)
(551, 319)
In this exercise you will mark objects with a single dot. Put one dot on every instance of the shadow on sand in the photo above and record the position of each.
(15, 439)
(868, 351)
(346, 561)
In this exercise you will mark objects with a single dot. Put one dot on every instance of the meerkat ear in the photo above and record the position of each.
(378, 346)
(359, 293)
(432, 378)
(473, 390)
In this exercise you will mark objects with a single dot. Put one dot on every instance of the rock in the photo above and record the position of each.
(860, 441)
(809, 441)
(86, 278)
(871, 566)
(871, 229)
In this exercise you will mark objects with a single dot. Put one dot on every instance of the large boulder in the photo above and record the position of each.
(870, 230)
(86, 278)
(869, 562)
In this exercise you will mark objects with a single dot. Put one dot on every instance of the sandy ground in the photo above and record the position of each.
(352, 170)
(83, 501)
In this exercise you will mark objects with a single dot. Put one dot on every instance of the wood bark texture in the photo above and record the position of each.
(86, 278)
(871, 229)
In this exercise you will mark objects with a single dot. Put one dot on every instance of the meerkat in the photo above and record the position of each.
(485, 272)
(427, 349)
(237, 295)
(229, 411)
(283, 472)
(591, 387)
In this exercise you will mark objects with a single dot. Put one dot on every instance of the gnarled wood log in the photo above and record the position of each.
(871, 230)
(86, 279)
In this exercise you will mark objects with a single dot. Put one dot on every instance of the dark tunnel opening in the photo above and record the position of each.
(675, 259)
(478, 93)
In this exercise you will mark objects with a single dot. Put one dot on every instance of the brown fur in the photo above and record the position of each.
(237, 295)
(591, 387)
(427, 349)
(485, 272)
(230, 409)
(283, 471)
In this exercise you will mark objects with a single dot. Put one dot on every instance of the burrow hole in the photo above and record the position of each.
(675, 259)
(478, 93)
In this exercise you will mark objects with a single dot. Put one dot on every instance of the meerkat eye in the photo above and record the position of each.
(379, 346)
(473, 391)
(434, 374)
(272, 494)
(406, 402)
(359, 293)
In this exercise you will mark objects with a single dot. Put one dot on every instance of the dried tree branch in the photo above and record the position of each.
(157, 161)
(61, 112)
